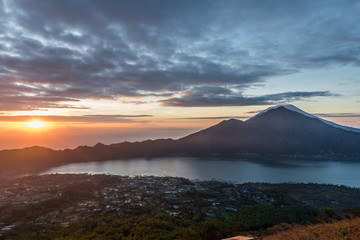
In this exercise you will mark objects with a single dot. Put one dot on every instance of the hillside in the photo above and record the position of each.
(348, 229)
(81, 206)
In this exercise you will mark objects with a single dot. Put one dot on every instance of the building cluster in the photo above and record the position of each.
(63, 199)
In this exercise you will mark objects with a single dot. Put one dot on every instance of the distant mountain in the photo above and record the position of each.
(280, 130)
(298, 110)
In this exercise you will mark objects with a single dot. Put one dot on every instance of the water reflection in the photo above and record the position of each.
(237, 170)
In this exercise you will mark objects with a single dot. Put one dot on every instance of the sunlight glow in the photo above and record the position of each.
(35, 124)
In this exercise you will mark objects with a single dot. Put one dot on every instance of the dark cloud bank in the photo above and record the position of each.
(55, 53)
(83, 118)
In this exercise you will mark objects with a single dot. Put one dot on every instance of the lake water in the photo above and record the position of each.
(236, 170)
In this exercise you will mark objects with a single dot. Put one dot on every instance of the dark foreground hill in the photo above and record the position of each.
(81, 206)
(282, 130)
(344, 229)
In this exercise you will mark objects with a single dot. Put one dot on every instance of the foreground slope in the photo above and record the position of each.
(81, 206)
(348, 229)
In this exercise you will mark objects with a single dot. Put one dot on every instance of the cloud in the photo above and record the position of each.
(257, 111)
(219, 97)
(342, 115)
(83, 118)
(209, 118)
(134, 102)
(66, 51)
(28, 103)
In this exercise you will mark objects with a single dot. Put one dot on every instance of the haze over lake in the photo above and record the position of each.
(237, 170)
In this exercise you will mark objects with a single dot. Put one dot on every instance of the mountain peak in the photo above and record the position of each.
(298, 110)
(286, 106)
(231, 120)
(229, 123)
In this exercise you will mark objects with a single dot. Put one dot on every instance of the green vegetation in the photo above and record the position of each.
(154, 225)
(118, 207)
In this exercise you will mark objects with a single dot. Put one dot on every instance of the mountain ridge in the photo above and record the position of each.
(277, 131)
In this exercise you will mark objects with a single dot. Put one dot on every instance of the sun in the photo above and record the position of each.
(35, 124)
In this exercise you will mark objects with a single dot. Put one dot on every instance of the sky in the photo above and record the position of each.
(109, 71)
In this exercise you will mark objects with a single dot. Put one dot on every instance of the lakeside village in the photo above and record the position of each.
(121, 195)
(63, 199)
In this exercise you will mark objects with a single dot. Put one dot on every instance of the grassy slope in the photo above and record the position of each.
(348, 229)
